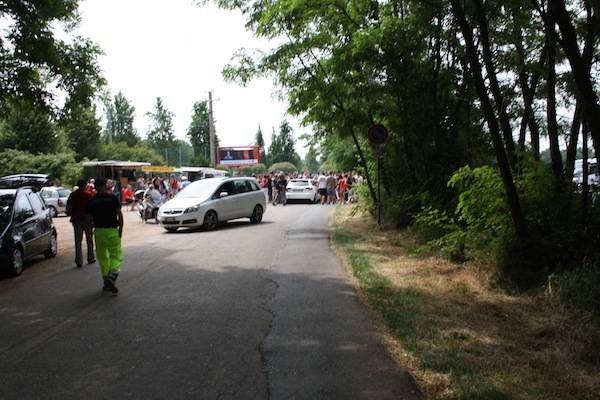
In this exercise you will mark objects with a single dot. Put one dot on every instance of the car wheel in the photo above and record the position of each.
(53, 212)
(210, 220)
(171, 229)
(53, 249)
(16, 262)
(257, 215)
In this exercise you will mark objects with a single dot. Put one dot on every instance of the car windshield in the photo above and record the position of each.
(6, 204)
(200, 189)
(299, 183)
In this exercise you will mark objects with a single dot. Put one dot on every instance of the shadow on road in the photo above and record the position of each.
(183, 327)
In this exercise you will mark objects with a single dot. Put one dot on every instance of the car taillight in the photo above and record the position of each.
(61, 202)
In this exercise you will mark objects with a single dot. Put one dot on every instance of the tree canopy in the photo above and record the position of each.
(457, 83)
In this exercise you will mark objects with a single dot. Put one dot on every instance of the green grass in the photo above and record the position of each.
(402, 310)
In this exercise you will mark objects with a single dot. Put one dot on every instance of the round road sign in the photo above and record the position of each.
(378, 134)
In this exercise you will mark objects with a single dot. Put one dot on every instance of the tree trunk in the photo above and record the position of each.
(557, 164)
(528, 89)
(585, 173)
(503, 164)
(572, 145)
(494, 85)
(589, 99)
(363, 162)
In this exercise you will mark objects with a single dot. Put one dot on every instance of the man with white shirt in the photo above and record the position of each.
(322, 187)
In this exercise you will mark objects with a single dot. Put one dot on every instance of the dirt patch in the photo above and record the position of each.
(461, 336)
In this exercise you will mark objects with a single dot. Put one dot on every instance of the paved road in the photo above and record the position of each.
(245, 312)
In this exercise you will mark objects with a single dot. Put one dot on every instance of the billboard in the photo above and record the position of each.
(238, 156)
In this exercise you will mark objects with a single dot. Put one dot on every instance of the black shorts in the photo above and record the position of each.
(323, 192)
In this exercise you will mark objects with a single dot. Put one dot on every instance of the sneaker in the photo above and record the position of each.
(109, 286)
(92, 261)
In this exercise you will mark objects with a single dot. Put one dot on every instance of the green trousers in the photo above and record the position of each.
(108, 252)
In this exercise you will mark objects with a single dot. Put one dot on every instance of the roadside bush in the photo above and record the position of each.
(123, 152)
(286, 167)
(61, 166)
(245, 171)
(259, 169)
(439, 231)
(578, 289)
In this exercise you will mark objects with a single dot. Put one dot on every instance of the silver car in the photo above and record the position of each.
(210, 201)
(55, 198)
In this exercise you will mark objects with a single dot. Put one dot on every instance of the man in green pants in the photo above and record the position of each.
(105, 209)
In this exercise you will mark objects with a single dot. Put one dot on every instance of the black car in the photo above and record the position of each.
(26, 227)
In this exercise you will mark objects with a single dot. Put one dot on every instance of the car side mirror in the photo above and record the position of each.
(223, 194)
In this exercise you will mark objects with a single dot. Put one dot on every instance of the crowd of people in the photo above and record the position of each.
(95, 209)
(332, 187)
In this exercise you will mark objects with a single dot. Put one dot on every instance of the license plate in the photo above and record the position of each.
(168, 219)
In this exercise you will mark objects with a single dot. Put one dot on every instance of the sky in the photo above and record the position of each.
(176, 50)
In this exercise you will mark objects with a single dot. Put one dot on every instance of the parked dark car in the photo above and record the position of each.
(26, 227)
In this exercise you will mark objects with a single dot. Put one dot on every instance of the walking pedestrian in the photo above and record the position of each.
(270, 187)
(281, 188)
(331, 186)
(322, 182)
(77, 204)
(105, 210)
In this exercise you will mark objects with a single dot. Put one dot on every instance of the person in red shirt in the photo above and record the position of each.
(81, 221)
(90, 188)
(127, 196)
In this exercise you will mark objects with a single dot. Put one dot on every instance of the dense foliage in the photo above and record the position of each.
(457, 83)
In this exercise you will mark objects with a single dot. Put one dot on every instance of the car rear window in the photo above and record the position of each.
(299, 183)
(64, 192)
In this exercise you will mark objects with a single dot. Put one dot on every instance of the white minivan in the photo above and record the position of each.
(593, 173)
(210, 201)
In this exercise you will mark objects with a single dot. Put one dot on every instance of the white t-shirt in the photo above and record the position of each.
(322, 182)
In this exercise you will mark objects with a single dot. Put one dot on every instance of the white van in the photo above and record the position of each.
(593, 177)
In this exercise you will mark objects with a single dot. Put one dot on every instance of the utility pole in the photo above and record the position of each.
(211, 128)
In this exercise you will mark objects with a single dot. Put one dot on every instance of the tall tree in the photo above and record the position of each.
(283, 146)
(199, 130)
(30, 51)
(26, 127)
(311, 163)
(160, 131)
(120, 117)
(259, 140)
(83, 81)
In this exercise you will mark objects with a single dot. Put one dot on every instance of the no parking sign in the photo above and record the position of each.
(378, 134)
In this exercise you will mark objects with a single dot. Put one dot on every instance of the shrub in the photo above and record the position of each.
(578, 289)
(61, 166)
(122, 151)
(259, 169)
(286, 167)
(245, 171)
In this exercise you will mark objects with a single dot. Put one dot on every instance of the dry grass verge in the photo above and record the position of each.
(461, 337)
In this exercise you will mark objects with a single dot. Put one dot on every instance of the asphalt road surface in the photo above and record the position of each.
(244, 312)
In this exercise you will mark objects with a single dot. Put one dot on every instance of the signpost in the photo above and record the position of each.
(378, 136)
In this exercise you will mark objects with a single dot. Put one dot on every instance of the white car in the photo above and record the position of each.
(593, 173)
(302, 189)
(210, 201)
